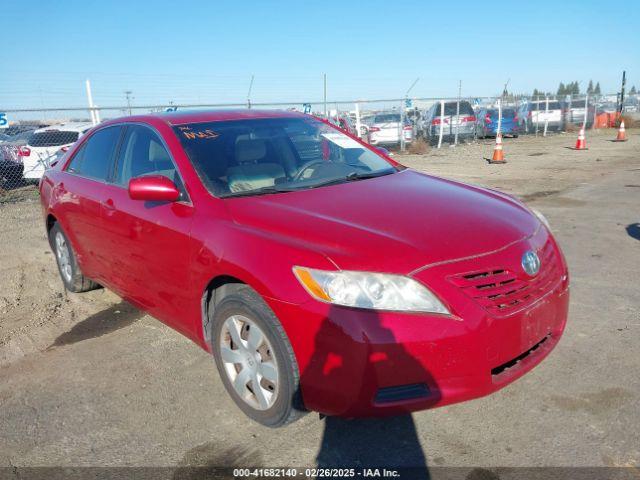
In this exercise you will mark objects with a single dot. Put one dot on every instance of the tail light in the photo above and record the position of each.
(487, 118)
(24, 151)
(529, 114)
(408, 128)
(469, 119)
(374, 129)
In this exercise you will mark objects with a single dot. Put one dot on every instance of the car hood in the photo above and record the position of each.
(394, 223)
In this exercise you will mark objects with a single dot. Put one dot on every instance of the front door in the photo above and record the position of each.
(149, 241)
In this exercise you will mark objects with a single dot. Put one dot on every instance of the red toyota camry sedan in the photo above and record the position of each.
(319, 273)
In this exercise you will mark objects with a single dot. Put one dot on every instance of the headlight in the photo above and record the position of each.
(541, 217)
(376, 291)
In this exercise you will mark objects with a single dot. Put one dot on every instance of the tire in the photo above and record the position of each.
(244, 311)
(70, 272)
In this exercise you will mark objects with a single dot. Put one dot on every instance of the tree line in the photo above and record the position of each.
(573, 88)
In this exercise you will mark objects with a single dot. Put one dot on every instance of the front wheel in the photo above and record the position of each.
(70, 272)
(255, 359)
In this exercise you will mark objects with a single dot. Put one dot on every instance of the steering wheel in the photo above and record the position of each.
(306, 167)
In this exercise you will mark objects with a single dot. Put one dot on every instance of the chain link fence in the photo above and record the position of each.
(33, 139)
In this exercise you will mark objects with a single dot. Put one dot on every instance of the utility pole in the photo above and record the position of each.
(249, 93)
(129, 98)
(504, 90)
(624, 82)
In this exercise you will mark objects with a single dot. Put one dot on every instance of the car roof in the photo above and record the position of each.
(67, 127)
(182, 117)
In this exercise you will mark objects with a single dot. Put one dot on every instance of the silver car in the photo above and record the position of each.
(462, 121)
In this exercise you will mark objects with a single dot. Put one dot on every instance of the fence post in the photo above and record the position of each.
(586, 112)
(546, 116)
(441, 123)
(455, 140)
(401, 127)
(324, 76)
(92, 111)
(499, 130)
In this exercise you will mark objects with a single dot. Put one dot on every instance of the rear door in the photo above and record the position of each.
(79, 195)
(149, 241)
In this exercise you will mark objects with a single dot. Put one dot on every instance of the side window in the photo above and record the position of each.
(76, 161)
(143, 153)
(95, 157)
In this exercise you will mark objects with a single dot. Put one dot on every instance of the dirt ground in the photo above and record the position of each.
(89, 380)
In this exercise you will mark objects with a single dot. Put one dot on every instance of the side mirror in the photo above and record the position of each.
(153, 188)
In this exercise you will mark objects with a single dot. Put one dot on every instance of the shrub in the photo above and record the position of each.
(418, 147)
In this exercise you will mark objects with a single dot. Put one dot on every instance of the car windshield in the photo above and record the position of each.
(275, 155)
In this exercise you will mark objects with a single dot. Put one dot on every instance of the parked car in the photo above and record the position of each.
(384, 129)
(344, 122)
(463, 121)
(344, 283)
(575, 111)
(487, 122)
(44, 143)
(11, 158)
(534, 115)
(19, 128)
(11, 167)
(631, 105)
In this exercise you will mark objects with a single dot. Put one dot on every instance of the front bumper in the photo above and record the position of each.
(366, 363)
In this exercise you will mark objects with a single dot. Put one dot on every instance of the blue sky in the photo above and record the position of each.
(206, 51)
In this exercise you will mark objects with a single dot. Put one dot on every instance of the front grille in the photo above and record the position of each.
(502, 292)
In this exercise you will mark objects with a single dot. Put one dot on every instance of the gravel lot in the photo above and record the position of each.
(89, 380)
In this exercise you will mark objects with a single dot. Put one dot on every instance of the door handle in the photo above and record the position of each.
(109, 206)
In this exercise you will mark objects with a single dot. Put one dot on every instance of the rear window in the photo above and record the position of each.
(450, 108)
(52, 138)
(543, 106)
(387, 118)
(506, 112)
(577, 103)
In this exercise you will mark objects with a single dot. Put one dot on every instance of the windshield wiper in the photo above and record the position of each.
(362, 176)
(350, 177)
(258, 191)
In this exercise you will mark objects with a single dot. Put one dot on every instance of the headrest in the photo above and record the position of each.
(250, 150)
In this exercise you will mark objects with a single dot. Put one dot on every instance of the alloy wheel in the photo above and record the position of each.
(249, 362)
(64, 257)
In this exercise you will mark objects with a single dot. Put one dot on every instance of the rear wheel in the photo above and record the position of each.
(255, 359)
(70, 272)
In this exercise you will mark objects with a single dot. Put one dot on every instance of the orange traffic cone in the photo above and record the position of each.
(622, 136)
(580, 143)
(498, 154)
